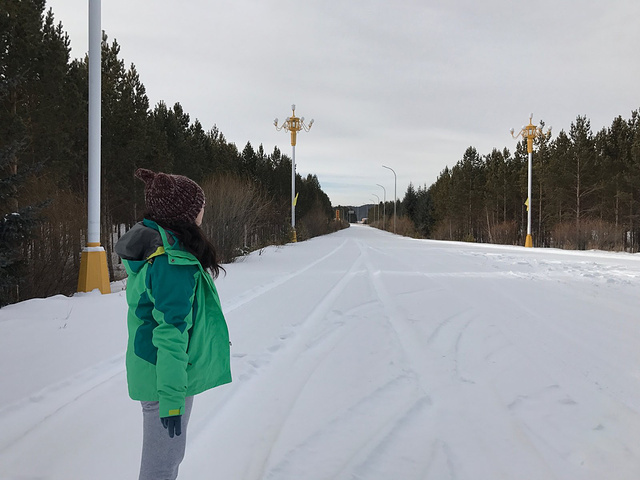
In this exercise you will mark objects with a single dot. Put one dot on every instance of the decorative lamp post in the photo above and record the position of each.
(384, 204)
(395, 195)
(94, 272)
(293, 124)
(530, 132)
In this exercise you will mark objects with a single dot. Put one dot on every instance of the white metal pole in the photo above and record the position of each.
(395, 195)
(395, 199)
(293, 188)
(384, 211)
(529, 171)
(94, 272)
(374, 210)
(95, 86)
(384, 204)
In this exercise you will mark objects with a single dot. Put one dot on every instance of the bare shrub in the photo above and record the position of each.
(53, 255)
(313, 224)
(449, 229)
(469, 238)
(336, 225)
(563, 235)
(441, 231)
(505, 233)
(604, 235)
(239, 216)
(405, 227)
(592, 234)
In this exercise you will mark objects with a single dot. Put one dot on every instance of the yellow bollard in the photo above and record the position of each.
(94, 272)
(529, 241)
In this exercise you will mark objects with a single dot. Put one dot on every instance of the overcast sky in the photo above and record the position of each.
(406, 83)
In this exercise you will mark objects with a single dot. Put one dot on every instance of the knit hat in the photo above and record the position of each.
(169, 198)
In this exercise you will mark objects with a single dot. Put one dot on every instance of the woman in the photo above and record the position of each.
(178, 339)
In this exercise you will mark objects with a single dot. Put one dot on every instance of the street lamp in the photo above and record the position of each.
(384, 204)
(530, 132)
(293, 124)
(374, 210)
(395, 195)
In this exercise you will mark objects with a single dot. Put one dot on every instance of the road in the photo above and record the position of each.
(364, 355)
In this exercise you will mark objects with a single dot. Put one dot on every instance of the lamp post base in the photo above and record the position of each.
(529, 241)
(294, 237)
(94, 272)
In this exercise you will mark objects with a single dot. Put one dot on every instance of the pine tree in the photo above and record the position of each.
(614, 155)
(440, 192)
(560, 178)
(21, 85)
(410, 203)
(424, 211)
(249, 161)
(127, 136)
(634, 179)
(583, 160)
(541, 193)
(16, 225)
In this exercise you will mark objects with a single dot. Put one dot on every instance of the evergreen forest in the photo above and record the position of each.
(585, 193)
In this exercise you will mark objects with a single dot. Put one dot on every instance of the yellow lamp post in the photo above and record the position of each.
(293, 124)
(530, 132)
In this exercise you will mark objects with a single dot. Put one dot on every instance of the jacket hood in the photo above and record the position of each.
(140, 242)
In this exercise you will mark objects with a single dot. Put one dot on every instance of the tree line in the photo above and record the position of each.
(43, 161)
(585, 192)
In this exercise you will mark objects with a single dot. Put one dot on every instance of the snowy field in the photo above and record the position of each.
(359, 355)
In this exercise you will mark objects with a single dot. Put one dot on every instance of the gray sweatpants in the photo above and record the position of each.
(161, 454)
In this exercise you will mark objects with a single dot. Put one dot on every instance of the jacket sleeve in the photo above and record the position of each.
(173, 291)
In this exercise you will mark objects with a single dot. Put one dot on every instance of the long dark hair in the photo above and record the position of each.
(196, 242)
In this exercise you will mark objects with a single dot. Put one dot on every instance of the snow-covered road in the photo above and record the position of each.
(359, 355)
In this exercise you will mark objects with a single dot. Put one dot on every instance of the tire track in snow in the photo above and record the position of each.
(420, 415)
(249, 296)
(353, 419)
(300, 358)
(399, 443)
(26, 415)
(448, 335)
(21, 418)
(437, 366)
(523, 427)
(409, 337)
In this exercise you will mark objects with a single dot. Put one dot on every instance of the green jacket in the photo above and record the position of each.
(178, 339)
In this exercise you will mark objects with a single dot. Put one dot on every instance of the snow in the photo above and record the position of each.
(358, 355)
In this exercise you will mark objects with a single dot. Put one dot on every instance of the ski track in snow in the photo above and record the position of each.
(371, 356)
(28, 414)
(22, 418)
(307, 352)
(256, 292)
(539, 447)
